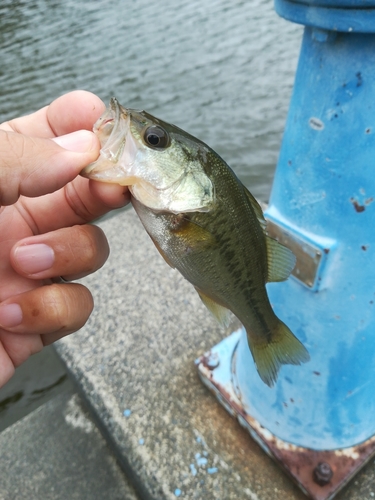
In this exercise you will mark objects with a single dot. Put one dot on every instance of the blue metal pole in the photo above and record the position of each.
(318, 421)
(324, 194)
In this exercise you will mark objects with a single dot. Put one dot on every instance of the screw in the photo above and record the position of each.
(322, 473)
(211, 360)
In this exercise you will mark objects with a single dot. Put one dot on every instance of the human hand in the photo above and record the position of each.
(44, 209)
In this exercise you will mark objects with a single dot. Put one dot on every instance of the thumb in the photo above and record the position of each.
(32, 166)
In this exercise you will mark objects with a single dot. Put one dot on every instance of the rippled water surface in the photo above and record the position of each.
(223, 70)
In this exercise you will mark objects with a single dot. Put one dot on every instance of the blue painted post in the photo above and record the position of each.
(324, 194)
(318, 421)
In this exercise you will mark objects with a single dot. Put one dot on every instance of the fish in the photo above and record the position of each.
(204, 222)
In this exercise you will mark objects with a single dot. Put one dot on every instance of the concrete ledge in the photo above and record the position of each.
(134, 363)
(42, 377)
(57, 453)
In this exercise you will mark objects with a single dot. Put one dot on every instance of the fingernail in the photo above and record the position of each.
(33, 259)
(10, 315)
(79, 142)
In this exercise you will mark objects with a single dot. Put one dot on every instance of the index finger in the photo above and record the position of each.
(77, 110)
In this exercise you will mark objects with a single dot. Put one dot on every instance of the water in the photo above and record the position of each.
(221, 70)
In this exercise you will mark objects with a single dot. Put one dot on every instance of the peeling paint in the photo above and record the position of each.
(358, 208)
(193, 469)
(310, 469)
(316, 123)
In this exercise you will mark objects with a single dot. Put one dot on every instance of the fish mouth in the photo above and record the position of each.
(120, 152)
(126, 160)
(113, 132)
(120, 160)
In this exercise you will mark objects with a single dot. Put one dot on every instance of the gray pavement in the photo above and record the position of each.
(134, 364)
(57, 453)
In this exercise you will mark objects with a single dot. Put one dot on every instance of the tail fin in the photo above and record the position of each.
(283, 349)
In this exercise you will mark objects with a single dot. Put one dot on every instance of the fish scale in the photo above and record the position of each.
(204, 222)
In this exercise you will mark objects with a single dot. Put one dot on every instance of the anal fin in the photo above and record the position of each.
(221, 313)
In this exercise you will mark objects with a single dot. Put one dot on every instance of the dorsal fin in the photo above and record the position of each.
(221, 313)
(280, 260)
(257, 208)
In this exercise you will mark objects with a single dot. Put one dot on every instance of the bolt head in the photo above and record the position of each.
(322, 473)
(212, 360)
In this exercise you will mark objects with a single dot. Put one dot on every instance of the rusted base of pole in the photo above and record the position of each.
(320, 474)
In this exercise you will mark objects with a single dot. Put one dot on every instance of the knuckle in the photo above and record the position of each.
(69, 306)
(76, 204)
(85, 300)
(88, 247)
(57, 306)
(11, 148)
(93, 246)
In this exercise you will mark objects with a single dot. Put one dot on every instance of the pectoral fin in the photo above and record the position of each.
(191, 233)
(221, 313)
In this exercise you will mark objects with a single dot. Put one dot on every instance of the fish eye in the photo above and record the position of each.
(156, 137)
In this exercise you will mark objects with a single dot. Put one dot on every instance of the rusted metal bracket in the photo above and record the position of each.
(320, 474)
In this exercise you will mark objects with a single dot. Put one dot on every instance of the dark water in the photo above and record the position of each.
(223, 70)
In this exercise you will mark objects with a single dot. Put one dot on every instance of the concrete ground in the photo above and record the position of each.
(133, 365)
(134, 362)
(57, 453)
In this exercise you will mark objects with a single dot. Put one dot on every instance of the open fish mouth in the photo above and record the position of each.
(121, 156)
(118, 149)
(162, 176)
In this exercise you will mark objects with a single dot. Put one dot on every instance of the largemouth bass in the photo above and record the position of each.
(204, 222)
